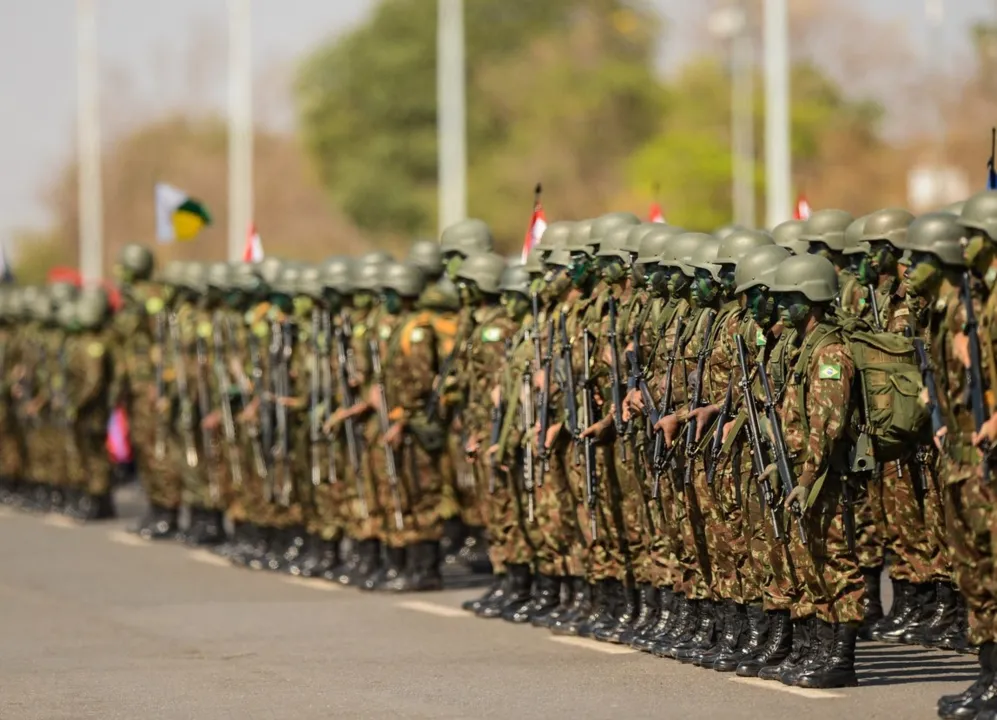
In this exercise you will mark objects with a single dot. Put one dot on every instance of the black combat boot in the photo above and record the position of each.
(647, 615)
(872, 601)
(326, 559)
(277, 542)
(348, 562)
(516, 609)
(545, 599)
(777, 646)
(592, 604)
(576, 603)
(158, 523)
(495, 592)
(668, 604)
(957, 638)
(918, 597)
(969, 699)
(422, 569)
(605, 612)
(517, 592)
(568, 586)
(454, 533)
(945, 615)
(821, 640)
(233, 543)
(256, 544)
(682, 628)
(625, 615)
(304, 556)
(798, 652)
(836, 669)
(474, 552)
(395, 560)
(97, 507)
(710, 617)
(900, 610)
(736, 638)
(368, 563)
(926, 600)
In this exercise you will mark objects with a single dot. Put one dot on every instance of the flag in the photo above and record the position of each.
(538, 223)
(6, 276)
(656, 215)
(253, 252)
(802, 210)
(119, 447)
(178, 216)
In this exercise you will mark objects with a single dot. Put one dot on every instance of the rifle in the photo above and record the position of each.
(280, 356)
(755, 438)
(527, 413)
(570, 398)
(588, 408)
(497, 413)
(433, 402)
(246, 391)
(203, 410)
(718, 434)
(547, 366)
(697, 395)
(183, 390)
(328, 396)
(781, 459)
(228, 421)
(658, 454)
(314, 401)
(159, 449)
(265, 431)
(346, 372)
(978, 401)
(385, 422)
(928, 377)
(614, 380)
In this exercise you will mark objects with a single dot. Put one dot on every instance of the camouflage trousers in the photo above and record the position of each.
(206, 483)
(145, 426)
(969, 520)
(831, 582)
(590, 543)
(12, 450)
(504, 507)
(908, 511)
(248, 502)
(85, 446)
(870, 525)
(460, 495)
(46, 457)
(410, 510)
(665, 517)
(635, 512)
(367, 519)
(556, 533)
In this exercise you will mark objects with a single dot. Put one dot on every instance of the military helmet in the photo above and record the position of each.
(705, 257)
(828, 227)
(534, 262)
(287, 281)
(375, 257)
(244, 276)
(580, 238)
(218, 276)
(466, 238)
(515, 278)
(42, 308)
(15, 304)
(427, 256)
(406, 280)
(787, 234)
(195, 276)
(737, 243)
(654, 242)
(485, 270)
(636, 235)
(889, 224)
(172, 273)
(269, 270)
(62, 292)
(555, 236)
(722, 232)
(92, 307)
(614, 244)
(954, 208)
(337, 275)
(368, 276)
(605, 224)
(939, 234)
(812, 275)
(560, 257)
(980, 213)
(680, 248)
(757, 266)
(310, 282)
(138, 260)
(853, 237)
(65, 316)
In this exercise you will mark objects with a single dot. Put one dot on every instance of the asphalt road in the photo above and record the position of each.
(95, 623)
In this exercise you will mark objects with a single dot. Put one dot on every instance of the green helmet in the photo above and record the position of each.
(828, 227)
(890, 225)
(555, 236)
(375, 257)
(245, 277)
(310, 282)
(605, 224)
(853, 237)
(787, 235)
(466, 237)
(954, 208)
(534, 262)
(92, 308)
(15, 304)
(559, 258)
(173, 273)
(757, 266)
(980, 213)
(485, 270)
(427, 256)
(218, 276)
(269, 270)
(580, 239)
(368, 276)
(939, 234)
(62, 292)
(287, 281)
(812, 275)
(42, 308)
(740, 241)
(723, 231)
(680, 248)
(137, 260)
(195, 277)
(406, 280)
(515, 278)
(654, 242)
(337, 274)
(636, 235)
(65, 316)
(615, 243)
(705, 257)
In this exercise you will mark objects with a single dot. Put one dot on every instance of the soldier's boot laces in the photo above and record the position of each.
(454, 534)
(395, 559)
(821, 636)
(914, 634)
(422, 569)
(326, 557)
(606, 612)
(516, 608)
(280, 540)
(624, 616)
(295, 540)
(945, 615)
(737, 637)
(969, 702)
(310, 556)
(544, 600)
(776, 648)
(900, 610)
(368, 563)
(918, 596)
(474, 552)
(872, 601)
(683, 627)
(957, 638)
(837, 669)
(648, 600)
(574, 603)
(498, 587)
(798, 651)
(347, 562)
(707, 654)
(701, 641)
(254, 544)
(668, 609)
(589, 605)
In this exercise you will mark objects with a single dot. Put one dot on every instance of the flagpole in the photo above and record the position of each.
(90, 193)
(240, 130)
(451, 112)
(777, 160)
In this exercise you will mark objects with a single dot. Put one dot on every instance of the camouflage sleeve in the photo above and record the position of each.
(413, 369)
(512, 386)
(91, 373)
(831, 372)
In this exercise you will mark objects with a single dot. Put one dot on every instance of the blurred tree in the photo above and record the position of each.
(559, 91)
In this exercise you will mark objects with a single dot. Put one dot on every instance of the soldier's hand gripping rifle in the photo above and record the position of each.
(658, 454)
(183, 390)
(928, 377)
(697, 396)
(588, 408)
(779, 450)
(758, 460)
(162, 418)
(977, 398)
(616, 380)
(204, 409)
(718, 434)
(228, 420)
(315, 400)
(346, 373)
(546, 366)
(385, 423)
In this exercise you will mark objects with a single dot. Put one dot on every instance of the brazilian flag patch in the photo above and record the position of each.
(384, 332)
(829, 372)
(154, 305)
(491, 334)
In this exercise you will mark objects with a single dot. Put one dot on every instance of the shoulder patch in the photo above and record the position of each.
(154, 305)
(95, 350)
(260, 329)
(862, 302)
(829, 372)
(384, 332)
(359, 330)
(491, 334)
(759, 338)
(417, 335)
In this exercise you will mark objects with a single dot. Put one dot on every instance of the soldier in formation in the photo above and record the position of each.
(705, 446)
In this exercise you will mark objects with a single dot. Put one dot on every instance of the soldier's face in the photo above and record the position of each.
(726, 274)
(678, 281)
(392, 302)
(611, 269)
(580, 270)
(452, 263)
(363, 300)
(820, 249)
(704, 287)
(761, 305)
(922, 274)
(794, 308)
(980, 252)
(515, 304)
(556, 283)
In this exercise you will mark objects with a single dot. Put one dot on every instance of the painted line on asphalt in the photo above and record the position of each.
(60, 521)
(779, 687)
(126, 538)
(433, 609)
(607, 648)
(313, 583)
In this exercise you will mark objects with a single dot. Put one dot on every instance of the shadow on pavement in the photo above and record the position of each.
(901, 665)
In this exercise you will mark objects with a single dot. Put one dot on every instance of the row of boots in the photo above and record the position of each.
(42, 497)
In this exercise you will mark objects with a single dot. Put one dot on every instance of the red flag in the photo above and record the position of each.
(253, 252)
(802, 209)
(538, 223)
(118, 444)
(655, 214)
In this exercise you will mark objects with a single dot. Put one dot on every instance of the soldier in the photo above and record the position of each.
(11, 455)
(787, 234)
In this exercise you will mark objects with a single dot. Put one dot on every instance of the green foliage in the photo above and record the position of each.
(37, 252)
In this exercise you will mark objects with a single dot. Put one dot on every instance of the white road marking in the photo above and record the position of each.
(126, 538)
(60, 521)
(313, 583)
(433, 609)
(602, 647)
(779, 687)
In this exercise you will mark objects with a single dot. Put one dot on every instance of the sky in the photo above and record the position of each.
(148, 68)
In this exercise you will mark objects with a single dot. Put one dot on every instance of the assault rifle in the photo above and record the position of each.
(315, 401)
(588, 409)
(328, 395)
(547, 366)
(615, 380)
(697, 396)
(228, 421)
(718, 434)
(246, 392)
(203, 410)
(385, 423)
(570, 389)
(527, 417)
(346, 374)
(658, 454)
(183, 390)
(977, 398)
(162, 418)
(280, 357)
(265, 424)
